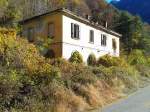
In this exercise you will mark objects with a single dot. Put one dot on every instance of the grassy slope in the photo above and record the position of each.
(31, 83)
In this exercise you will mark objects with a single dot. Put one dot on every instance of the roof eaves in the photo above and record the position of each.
(89, 22)
(34, 17)
(76, 16)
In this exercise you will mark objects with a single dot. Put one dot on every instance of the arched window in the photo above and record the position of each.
(50, 54)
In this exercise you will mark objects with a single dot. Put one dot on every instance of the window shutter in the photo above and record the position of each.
(101, 39)
(31, 34)
(105, 40)
(91, 36)
(79, 32)
(72, 30)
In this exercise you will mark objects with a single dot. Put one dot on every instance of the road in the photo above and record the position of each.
(137, 102)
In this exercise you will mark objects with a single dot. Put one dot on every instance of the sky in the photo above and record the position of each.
(108, 0)
(111, 0)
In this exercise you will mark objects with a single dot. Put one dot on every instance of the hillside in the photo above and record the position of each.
(27, 8)
(30, 82)
(39, 84)
(139, 7)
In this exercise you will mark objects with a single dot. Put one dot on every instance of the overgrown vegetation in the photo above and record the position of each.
(109, 61)
(76, 57)
(30, 82)
(135, 32)
(38, 84)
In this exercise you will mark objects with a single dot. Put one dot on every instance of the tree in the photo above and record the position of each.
(131, 27)
(10, 13)
(3, 4)
(137, 29)
(124, 28)
(76, 57)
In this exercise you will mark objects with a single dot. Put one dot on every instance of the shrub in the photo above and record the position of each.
(20, 54)
(113, 75)
(109, 61)
(91, 60)
(148, 60)
(76, 57)
(144, 70)
(30, 82)
(9, 86)
(137, 57)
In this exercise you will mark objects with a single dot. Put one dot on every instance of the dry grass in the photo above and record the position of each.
(67, 101)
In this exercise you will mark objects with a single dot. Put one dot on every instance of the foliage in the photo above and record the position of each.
(137, 57)
(131, 27)
(113, 75)
(146, 38)
(10, 13)
(40, 84)
(148, 61)
(76, 57)
(144, 70)
(43, 45)
(29, 82)
(109, 61)
(91, 60)
(18, 53)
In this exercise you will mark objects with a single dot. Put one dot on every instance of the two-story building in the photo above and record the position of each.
(70, 33)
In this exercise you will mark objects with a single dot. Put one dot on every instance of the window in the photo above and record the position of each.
(51, 30)
(31, 34)
(75, 31)
(91, 36)
(103, 40)
(114, 44)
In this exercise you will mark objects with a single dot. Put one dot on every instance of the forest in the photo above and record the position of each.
(41, 84)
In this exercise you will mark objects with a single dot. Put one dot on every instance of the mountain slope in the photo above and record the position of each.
(139, 7)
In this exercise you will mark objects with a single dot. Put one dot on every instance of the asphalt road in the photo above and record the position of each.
(137, 102)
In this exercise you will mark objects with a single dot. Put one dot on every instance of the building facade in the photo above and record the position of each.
(70, 33)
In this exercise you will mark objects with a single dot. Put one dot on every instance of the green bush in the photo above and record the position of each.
(18, 53)
(30, 82)
(148, 60)
(113, 75)
(109, 61)
(91, 60)
(137, 57)
(76, 57)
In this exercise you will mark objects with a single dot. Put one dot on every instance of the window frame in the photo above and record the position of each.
(75, 31)
(103, 40)
(91, 36)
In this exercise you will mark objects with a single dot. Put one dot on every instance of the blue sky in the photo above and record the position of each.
(108, 0)
(111, 0)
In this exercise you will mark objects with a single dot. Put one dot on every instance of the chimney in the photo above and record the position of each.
(88, 17)
(97, 23)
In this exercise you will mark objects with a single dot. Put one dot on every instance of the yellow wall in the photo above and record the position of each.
(40, 25)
